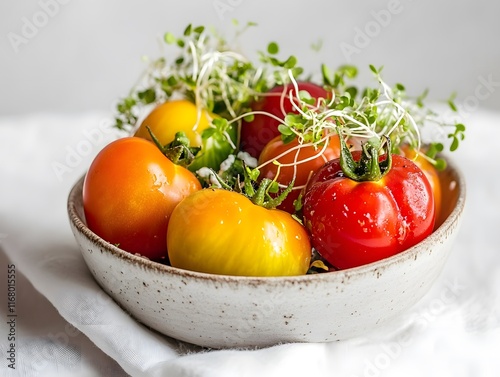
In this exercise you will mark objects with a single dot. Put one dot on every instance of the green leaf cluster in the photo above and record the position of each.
(207, 71)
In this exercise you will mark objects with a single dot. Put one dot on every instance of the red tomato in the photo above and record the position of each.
(307, 160)
(257, 133)
(129, 193)
(354, 223)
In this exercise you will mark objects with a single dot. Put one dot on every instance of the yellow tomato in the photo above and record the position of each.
(429, 171)
(223, 232)
(173, 116)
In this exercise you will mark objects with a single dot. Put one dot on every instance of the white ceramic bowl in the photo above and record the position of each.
(225, 311)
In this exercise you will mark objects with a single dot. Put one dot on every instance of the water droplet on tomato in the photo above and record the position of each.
(403, 231)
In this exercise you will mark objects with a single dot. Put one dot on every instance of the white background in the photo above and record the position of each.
(83, 55)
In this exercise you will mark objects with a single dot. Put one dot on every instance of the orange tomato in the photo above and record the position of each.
(429, 171)
(307, 160)
(129, 193)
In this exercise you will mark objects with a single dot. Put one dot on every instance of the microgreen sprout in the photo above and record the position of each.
(208, 72)
(380, 111)
(224, 82)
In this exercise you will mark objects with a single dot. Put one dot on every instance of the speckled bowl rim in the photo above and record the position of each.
(74, 206)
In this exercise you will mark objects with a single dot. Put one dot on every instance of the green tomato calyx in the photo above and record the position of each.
(178, 150)
(262, 198)
(369, 167)
(259, 193)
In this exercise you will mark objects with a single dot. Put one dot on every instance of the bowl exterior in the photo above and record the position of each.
(224, 311)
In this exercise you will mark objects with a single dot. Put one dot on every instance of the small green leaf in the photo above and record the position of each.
(440, 164)
(172, 81)
(275, 62)
(306, 97)
(187, 31)
(434, 149)
(119, 123)
(253, 173)
(147, 96)
(457, 136)
(272, 48)
(169, 38)
(199, 29)
(285, 130)
(290, 62)
(129, 102)
(287, 138)
(420, 98)
(208, 132)
(274, 188)
(220, 123)
(451, 102)
(317, 45)
(292, 119)
(297, 71)
(327, 74)
(352, 90)
(348, 70)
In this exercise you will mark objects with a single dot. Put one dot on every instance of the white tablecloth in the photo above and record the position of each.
(66, 326)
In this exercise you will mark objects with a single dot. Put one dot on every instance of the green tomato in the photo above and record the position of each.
(215, 148)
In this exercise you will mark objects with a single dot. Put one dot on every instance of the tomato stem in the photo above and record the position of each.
(370, 166)
(221, 182)
(247, 184)
(262, 198)
(178, 150)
